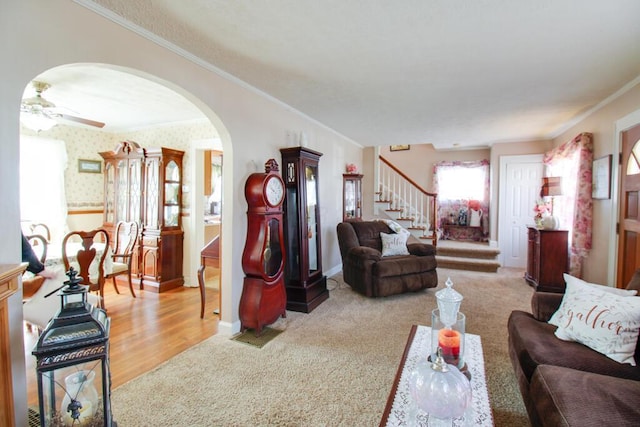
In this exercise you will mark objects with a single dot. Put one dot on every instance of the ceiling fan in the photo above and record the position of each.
(37, 106)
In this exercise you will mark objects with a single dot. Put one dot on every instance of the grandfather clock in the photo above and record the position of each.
(305, 284)
(263, 298)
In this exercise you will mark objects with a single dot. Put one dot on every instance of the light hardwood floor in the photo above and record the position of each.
(145, 331)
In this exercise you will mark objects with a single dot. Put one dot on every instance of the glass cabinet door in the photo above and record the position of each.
(172, 195)
(312, 216)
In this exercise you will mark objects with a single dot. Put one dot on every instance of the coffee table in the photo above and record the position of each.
(401, 409)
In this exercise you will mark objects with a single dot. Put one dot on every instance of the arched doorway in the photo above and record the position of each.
(85, 141)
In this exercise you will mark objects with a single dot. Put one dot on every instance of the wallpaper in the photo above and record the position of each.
(84, 191)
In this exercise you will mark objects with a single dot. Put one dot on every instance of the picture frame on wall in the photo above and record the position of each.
(89, 166)
(601, 178)
(399, 147)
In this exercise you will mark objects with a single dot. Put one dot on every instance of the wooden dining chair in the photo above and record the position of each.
(40, 245)
(126, 236)
(40, 229)
(86, 251)
(31, 283)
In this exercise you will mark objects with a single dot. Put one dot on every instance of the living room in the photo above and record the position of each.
(252, 129)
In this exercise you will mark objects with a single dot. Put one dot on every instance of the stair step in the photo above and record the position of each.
(470, 264)
(470, 250)
(382, 201)
(393, 210)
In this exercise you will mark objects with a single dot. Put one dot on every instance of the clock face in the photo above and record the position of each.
(274, 191)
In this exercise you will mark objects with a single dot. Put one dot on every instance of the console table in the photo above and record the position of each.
(401, 409)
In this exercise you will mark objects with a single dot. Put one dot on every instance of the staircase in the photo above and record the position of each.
(405, 202)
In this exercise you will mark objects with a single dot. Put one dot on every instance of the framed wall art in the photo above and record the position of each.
(399, 147)
(89, 166)
(601, 178)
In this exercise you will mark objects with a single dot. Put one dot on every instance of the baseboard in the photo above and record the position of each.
(228, 329)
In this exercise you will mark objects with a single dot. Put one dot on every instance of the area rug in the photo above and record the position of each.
(332, 367)
(249, 337)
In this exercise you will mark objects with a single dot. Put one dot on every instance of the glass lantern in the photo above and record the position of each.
(448, 326)
(72, 362)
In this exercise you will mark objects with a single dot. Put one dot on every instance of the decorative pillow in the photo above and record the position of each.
(604, 321)
(578, 282)
(394, 244)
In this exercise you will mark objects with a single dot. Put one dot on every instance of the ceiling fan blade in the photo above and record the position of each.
(81, 120)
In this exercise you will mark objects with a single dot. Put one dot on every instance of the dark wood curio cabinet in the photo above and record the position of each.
(305, 283)
(145, 185)
(351, 197)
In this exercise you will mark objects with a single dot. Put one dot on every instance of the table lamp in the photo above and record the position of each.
(551, 187)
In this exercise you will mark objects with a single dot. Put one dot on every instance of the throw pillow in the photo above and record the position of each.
(579, 282)
(604, 321)
(394, 244)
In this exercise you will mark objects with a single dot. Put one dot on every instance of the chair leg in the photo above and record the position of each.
(115, 285)
(131, 284)
(201, 286)
(102, 303)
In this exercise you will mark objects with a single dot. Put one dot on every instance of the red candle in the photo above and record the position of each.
(449, 342)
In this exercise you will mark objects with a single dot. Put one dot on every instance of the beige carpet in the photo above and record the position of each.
(332, 367)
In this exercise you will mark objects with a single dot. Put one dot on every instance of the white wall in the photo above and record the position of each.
(252, 128)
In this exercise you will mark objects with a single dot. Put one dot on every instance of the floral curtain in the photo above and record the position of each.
(572, 161)
(456, 198)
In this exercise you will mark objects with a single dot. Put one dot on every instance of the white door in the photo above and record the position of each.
(520, 182)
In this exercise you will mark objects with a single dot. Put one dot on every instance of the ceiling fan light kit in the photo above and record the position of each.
(37, 121)
(38, 114)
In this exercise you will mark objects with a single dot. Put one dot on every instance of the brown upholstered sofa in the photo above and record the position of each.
(566, 383)
(369, 273)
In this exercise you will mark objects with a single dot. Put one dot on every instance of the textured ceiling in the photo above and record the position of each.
(450, 73)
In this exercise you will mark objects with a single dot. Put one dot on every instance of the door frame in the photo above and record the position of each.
(625, 123)
(502, 188)
(196, 243)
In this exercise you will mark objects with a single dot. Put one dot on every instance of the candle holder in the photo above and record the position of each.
(450, 338)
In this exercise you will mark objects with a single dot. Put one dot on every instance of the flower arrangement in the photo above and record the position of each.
(352, 168)
(541, 209)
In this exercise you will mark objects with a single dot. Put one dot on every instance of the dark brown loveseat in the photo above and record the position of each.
(566, 383)
(369, 273)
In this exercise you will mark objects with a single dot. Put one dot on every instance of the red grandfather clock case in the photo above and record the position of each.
(264, 298)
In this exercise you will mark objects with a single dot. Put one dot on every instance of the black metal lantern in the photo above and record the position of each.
(72, 354)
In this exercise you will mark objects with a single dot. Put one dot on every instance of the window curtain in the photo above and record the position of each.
(42, 195)
(451, 180)
(572, 161)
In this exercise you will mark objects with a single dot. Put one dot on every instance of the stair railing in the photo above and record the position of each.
(409, 199)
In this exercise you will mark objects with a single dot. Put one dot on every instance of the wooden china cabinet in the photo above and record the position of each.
(351, 196)
(305, 284)
(145, 185)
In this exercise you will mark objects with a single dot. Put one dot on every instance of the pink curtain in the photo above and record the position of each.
(449, 209)
(573, 162)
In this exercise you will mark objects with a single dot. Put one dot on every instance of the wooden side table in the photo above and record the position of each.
(547, 259)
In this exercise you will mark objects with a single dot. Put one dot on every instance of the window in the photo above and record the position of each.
(42, 195)
(463, 188)
(461, 182)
